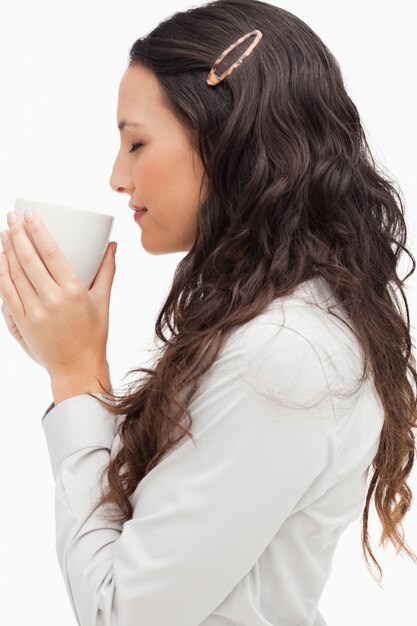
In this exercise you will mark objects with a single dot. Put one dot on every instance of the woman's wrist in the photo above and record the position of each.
(74, 384)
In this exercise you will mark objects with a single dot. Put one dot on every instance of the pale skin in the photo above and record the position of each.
(62, 325)
(165, 173)
(45, 304)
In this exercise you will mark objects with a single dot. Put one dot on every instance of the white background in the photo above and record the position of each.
(61, 64)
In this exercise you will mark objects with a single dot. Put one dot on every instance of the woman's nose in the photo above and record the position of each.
(120, 182)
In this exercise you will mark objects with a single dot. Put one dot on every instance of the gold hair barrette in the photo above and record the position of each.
(213, 79)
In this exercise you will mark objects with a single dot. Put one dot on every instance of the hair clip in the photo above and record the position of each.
(213, 79)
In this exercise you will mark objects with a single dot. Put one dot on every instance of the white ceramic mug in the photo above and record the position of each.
(81, 235)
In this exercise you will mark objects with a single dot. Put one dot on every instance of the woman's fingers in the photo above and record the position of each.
(14, 331)
(46, 266)
(14, 283)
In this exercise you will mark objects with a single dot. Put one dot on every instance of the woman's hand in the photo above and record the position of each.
(14, 331)
(63, 326)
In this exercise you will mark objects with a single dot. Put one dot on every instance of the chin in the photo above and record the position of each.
(157, 250)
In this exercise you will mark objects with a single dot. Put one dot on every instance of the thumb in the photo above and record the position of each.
(103, 281)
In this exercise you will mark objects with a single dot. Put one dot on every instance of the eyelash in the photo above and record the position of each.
(135, 146)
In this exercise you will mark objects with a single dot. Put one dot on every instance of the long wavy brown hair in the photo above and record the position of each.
(294, 192)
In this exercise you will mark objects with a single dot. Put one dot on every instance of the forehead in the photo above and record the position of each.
(139, 87)
(141, 101)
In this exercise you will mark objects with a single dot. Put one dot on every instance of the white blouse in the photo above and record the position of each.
(241, 528)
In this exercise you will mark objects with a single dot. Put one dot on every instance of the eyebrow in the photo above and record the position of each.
(123, 124)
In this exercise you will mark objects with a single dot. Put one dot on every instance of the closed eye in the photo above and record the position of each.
(135, 146)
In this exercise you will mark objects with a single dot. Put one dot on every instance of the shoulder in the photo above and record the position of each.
(305, 335)
(291, 330)
(266, 360)
(268, 379)
(282, 363)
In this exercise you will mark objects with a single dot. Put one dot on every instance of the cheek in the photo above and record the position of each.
(157, 171)
(167, 181)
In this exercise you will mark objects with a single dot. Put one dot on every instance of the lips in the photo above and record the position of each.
(134, 207)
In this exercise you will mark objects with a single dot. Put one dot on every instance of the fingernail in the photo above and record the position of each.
(11, 217)
(114, 248)
(4, 236)
(28, 215)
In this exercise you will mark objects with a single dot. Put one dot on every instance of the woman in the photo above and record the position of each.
(286, 351)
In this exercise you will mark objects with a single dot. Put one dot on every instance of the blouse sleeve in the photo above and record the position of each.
(265, 444)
